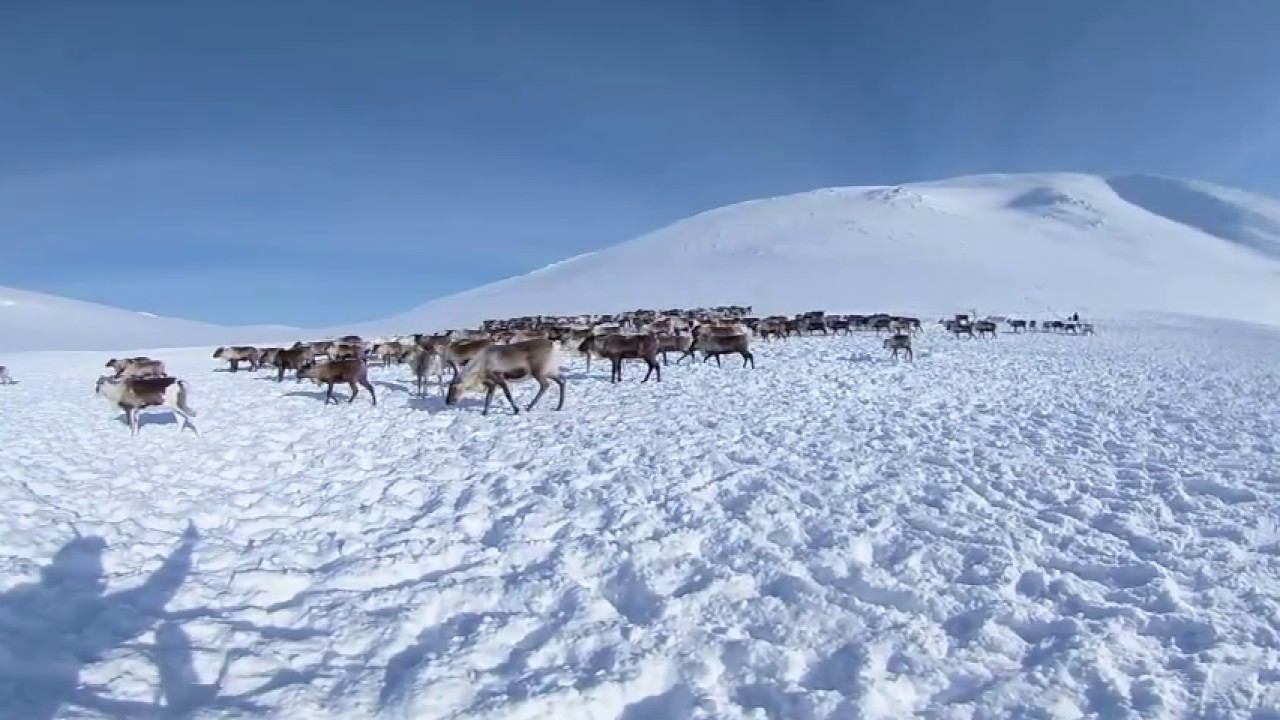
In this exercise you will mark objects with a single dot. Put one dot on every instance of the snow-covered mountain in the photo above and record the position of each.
(36, 321)
(1034, 243)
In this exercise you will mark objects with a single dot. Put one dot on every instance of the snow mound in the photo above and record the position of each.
(36, 321)
(1036, 526)
(1250, 220)
(1034, 244)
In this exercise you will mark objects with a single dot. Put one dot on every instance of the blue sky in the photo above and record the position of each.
(324, 162)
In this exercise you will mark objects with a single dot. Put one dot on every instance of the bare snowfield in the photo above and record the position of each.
(1039, 526)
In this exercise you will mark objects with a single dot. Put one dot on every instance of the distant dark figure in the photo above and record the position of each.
(1075, 317)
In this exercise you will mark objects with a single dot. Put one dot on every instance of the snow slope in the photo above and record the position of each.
(1040, 526)
(35, 321)
(1000, 243)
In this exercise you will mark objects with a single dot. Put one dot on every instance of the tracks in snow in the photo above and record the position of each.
(997, 529)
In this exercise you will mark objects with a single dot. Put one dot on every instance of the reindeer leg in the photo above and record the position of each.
(329, 395)
(372, 395)
(354, 391)
(280, 377)
(718, 360)
(657, 369)
(542, 388)
(559, 381)
(488, 397)
(132, 415)
(506, 390)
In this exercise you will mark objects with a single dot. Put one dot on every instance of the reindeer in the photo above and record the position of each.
(426, 362)
(714, 345)
(389, 352)
(341, 350)
(674, 343)
(495, 365)
(433, 342)
(5, 378)
(267, 357)
(985, 327)
(775, 327)
(1018, 325)
(293, 359)
(958, 328)
(137, 393)
(616, 348)
(238, 354)
(137, 367)
(351, 371)
(900, 343)
(460, 352)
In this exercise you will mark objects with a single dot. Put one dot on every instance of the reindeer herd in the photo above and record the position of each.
(501, 352)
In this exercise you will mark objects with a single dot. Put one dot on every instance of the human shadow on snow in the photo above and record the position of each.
(52, 628)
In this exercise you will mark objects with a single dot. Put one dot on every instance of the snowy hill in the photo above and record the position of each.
(1040, 243)
(35, 321)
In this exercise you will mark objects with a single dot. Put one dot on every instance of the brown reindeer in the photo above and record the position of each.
(267, 357)
(900, 343)
(135, 394)
(346, 351)
(616, 348)
(238, 354)
(137, 367)
(389, 352)
(293, 359)
(496, 365)
(714, 345)
(674, 343)
(985, 327)
(351, 371)
(775, 327)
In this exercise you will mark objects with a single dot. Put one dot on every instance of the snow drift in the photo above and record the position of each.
(35, 321)
(1037, 243)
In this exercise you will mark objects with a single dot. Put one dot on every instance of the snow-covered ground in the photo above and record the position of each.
(1039, 526)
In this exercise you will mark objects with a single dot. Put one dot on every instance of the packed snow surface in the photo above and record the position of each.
(1037, 526)
(1007, 244)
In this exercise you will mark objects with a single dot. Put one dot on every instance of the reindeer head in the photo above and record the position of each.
(218, 353)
